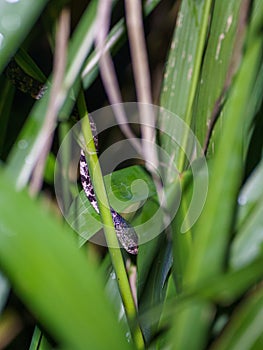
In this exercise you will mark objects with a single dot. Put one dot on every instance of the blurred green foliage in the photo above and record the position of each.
(199, 289)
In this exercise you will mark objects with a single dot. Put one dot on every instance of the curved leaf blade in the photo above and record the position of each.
(52, 276)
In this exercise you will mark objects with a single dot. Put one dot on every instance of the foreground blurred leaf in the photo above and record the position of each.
(52, 276)
(17, 18)
(245, 328)
(226, 288)
(248, 242)
(222, 290)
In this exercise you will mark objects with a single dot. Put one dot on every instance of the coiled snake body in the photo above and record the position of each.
(125, 233)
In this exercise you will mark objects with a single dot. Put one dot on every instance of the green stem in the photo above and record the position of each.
(106, 218)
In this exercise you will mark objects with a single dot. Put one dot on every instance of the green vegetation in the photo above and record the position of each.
(198, 284)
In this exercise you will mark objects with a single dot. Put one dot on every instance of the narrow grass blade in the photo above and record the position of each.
(182, 72)
(39, 342)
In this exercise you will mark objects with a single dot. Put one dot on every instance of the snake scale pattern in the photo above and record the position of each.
(125, 233)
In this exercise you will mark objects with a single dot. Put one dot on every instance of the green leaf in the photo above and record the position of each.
(52, 276)
(227, 164)
(49, 168)
(20, 160)
(182, 72)
(17, 19)
(253, 144)
(126, 188)
(29, 66)
(182, 241)
(245, 327)
(129, 186)
(39, 341)
(83, 218)
(213, 230)
(248, 242)
(223, 290)
(155, 287)
(227, 288)
(146, 259)
(216, 62)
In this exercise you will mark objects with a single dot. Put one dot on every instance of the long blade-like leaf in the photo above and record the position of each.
(52, 276)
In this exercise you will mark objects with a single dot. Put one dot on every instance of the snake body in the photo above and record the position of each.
(27, 84)
(124, 231)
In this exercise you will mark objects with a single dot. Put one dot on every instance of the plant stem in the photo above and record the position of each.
(109, 230)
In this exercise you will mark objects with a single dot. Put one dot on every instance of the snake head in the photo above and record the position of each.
(125, 233)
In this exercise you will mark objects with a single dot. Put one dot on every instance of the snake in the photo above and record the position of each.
(126, 234)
